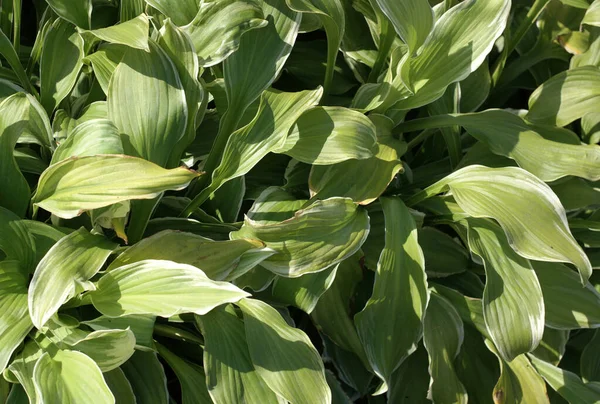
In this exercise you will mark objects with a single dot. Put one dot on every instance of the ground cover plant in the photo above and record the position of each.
(303, 201)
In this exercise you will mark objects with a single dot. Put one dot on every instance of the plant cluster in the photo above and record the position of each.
(303, 201)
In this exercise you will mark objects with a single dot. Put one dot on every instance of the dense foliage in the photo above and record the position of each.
(304, 201)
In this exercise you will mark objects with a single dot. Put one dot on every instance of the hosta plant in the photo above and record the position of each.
(303, 201)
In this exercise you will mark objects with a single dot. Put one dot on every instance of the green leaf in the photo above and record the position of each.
(450, 103)
(147, 378)
(181, 12)
(75, 185)
(284, 357)
(330, 135)
(9, 53)
(410, 382)
(331, 16)
(227, 20)
(58, 379)
(443, 254)
(443, 337)
(59, 75)
(70, 264)
(108, 348)
(104, 62)
(22, 367)
(513, 306)
(119, 386)
(592, 15)
(191, 377)
(133, 33)
(566, 97)
(399, 297)
(303, 292)
(230, 374)
(590, 359)
(568, 305)
(218, 259)
(315, 238)
(531, 215)
(78, 12)
(147, 103)
(412, 20)
(96, 136)
(363, 180)
(161, 288)
(142, 327)
(13, 120)
(519, 383)
(565, 383)
(552, 346)
(14, 316)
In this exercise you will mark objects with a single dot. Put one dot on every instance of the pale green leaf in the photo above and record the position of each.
(191, 377)
(59, 75)
(592, 15)
(443, 337)
(531, 215)
(75, 185)
(513, 306)
(108, 348)
(303, 292)
(566, 97)
(96, 136)
(181, 11)
(399, 297)
(14, 113)
(218, 259)
(568, 305)
(79, 12)
(142, 327)
(133, 33)
(147, 377)
(58, 379)
(22, 366)
(412, 20)
(330, 135)
(119, 386)
(363, 180)
(566, 383)
(147, 103)
(104, 62)
(161, 288)
(15, 323)
(317, 237)
(226, 20)
(230, 374)
(283, 356)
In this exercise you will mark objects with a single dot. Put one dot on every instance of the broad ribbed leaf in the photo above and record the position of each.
(142, 327)
(58, 379)
(161, 288)
(75, 185)
(400, 295)
(147, 103)
(119, 386)
(147, 378)
(283, 356)
(552, 346)
(443, 254)
(191, 377)
(315, 238)
(133, 33)
(8, 52)
(443, 338)
(96, 136)
(519, 383)
(531, 215)
(568, 305)
(226, 20)
(181, 11)
(70, 264)
(78, 12)
(566, 383)
(14, 317)
(412, 20)
(218, 259)
(566, 97)
(590, 359)
(230, 374)
(303, 292)
(410, 382)
(104, 62)
(592, 15)
(14, 190)
(363, 180)
(22, 366)
(59, 74)
(513, 306)
(108, 348)
(330, 135)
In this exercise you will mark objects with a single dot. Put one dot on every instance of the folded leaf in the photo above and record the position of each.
(284, 357)
(160, 288)
(566, 97)
(531, 215)
(513, 306)
(592, 15)
(70, 264)
(142, 327)
(108, 348)
(104, 62)
(79, 12)
(399, 297)
(181, 12)
(133, 33)
(96, 136)
(75, 185)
